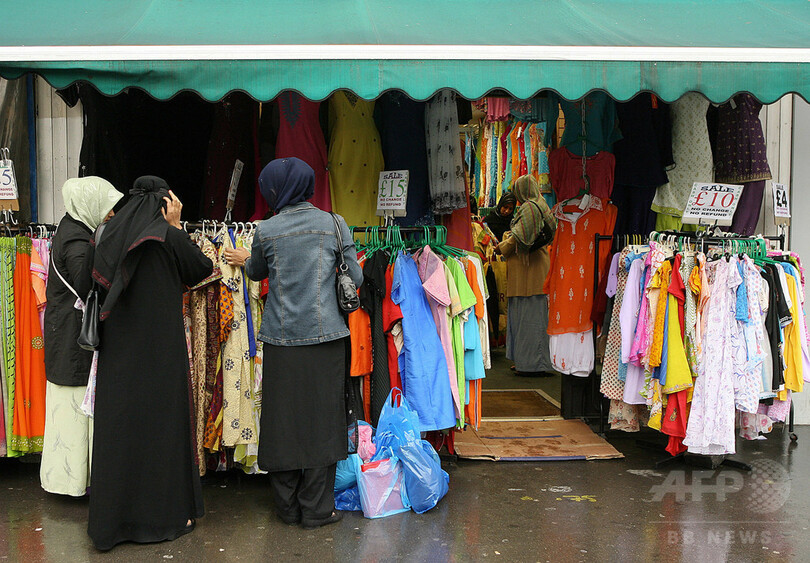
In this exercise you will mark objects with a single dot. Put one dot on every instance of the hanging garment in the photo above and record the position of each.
(710, 430)
(355, 159)
(565, 172)
(601, 123)
(741, 156)
(234, 135)
(300, 135)
(422, 362)
(569, 283)
(401, 123)
(29, 396)
(445, 163)
(238, 402)
(434, 282)
(8, 335)
(691, 152)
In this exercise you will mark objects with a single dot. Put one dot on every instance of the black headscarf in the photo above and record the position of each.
(286, 181)
(140, 220)
(498, 223)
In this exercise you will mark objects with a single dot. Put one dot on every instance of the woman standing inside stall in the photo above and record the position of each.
(527, 264)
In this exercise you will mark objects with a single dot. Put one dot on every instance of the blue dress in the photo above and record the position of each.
(422, 364)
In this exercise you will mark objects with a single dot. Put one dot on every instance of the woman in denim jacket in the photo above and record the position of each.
(303, 421)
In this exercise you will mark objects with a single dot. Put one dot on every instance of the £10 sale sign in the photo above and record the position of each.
(712, 204)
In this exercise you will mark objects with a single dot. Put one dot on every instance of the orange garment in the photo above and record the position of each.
(359, 322)
(472, 277)
(225, 312)
(472, 410)
(661, 281)
(360, 338)
(29, 400)
(569, 284)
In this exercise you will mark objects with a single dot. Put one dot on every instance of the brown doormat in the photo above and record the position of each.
(552, 440)
(518, 403)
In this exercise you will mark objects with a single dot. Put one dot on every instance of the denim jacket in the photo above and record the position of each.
(297, 251)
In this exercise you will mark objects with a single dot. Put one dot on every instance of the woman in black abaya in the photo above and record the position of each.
(145, 485)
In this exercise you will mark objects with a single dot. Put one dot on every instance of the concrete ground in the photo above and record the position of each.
(617, 510)
(621, 510)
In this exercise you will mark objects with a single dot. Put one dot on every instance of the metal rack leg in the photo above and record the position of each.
(793, 437)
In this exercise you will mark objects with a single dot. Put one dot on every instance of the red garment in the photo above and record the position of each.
(300, 135)
(459, 225)
(391, 314)
(673, 423)
(565, 173)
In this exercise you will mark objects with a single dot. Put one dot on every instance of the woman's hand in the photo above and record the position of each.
(172, 211)
(236, 256)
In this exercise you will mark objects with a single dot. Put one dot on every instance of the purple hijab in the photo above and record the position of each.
(286, 181)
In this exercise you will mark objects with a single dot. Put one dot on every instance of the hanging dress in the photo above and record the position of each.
(445, 162)
(355, 159)
(692, 154)
(300, 135)
(29, 400)
(8, 335)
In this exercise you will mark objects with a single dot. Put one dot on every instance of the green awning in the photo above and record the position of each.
(262, 47)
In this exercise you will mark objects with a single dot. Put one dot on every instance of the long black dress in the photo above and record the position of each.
(145, 484)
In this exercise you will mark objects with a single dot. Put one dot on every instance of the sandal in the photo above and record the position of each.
(189, 528)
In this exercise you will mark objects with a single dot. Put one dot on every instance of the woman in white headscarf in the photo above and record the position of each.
(68, 438)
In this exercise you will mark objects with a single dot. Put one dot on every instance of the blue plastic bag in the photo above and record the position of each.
(348, 500)
(425, 480)
(381, 485)
(346, 473)
(397, 425)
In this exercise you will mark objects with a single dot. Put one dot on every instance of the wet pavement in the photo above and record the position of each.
(618, 510)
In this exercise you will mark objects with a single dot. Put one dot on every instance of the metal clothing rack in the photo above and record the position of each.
(698, 236)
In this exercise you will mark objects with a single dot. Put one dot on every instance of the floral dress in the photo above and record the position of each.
(711, 421)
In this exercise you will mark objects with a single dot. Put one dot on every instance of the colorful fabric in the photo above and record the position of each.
(29, 399)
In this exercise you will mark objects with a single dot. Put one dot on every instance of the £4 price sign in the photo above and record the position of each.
(712, 203)
(781, 205)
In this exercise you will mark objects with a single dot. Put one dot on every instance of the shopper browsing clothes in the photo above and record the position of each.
(303, 420)
(527, 263)
(145, 486)
(499, 220)
(65, 467)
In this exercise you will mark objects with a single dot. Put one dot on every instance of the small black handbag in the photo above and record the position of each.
(88, 335)
(347, 297)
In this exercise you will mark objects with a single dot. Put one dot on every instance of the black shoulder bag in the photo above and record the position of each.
(347, 297)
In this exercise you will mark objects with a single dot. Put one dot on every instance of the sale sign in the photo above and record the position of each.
(712, 204)
(781, 204)
(392, 192)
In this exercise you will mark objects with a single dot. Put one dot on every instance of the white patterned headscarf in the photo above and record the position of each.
(90, 199)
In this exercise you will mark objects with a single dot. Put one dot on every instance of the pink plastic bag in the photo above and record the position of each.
(381, 485)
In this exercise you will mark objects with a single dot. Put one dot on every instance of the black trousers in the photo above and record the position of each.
(308, 493)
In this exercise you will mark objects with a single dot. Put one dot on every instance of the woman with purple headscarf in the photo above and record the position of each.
(303, 421)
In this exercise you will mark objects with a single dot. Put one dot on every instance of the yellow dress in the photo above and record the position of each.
(355, 159)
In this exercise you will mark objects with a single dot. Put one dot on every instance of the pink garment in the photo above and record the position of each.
(431, 272)
(300, 135)
(628, 320)
(498, 109)
(779, 410)
(640, 341)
